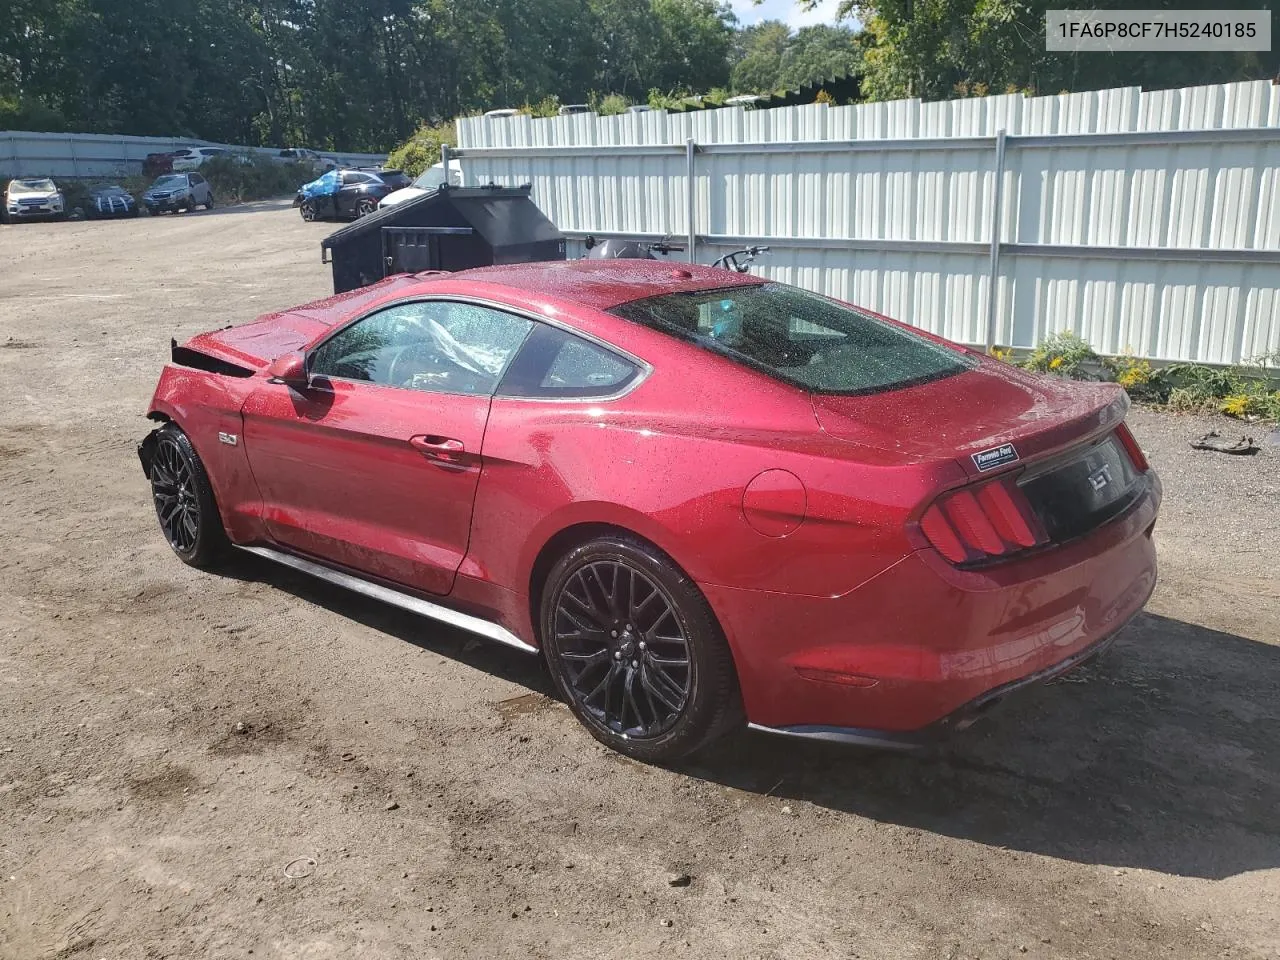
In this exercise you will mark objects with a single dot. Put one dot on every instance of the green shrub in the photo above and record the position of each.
(422, 150)
(610, 104)
(236, 181)
(546, 107)
(1247, 390)
(1067, 355)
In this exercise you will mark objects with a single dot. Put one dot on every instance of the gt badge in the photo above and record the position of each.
(995, 457)
(230, 439)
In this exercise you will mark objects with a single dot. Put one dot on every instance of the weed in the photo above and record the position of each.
(1066, 354)
(1246, 390)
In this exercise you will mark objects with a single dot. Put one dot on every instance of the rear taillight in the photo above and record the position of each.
(1136, 456)
(982, 522)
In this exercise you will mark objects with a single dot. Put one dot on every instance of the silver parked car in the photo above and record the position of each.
(178, 191)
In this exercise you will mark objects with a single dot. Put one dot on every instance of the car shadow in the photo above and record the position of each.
(489, 656)
(1163, 754)
(233, 209)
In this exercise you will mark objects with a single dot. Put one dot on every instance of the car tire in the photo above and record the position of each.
(184, 502)
(308, 210)
(636, 651)
(365, 206)
(208, 204)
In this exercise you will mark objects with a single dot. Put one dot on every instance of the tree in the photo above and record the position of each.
(694, 37)
(771, 58)
(758, 54)
(818, 53)
(936, 48)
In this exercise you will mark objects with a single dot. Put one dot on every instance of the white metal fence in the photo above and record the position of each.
(25, 154)
(1144, 221)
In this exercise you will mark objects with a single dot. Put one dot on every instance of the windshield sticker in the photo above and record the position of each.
(995, 457)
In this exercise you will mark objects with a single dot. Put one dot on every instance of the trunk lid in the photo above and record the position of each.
(986, 418)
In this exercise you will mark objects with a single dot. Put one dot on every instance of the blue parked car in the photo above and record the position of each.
(109, 200)
(347, 194)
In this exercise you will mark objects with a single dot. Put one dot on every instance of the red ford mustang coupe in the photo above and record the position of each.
(704, 498)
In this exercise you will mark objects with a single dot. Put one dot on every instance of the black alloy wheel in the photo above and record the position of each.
(184, 500)
(636, 650)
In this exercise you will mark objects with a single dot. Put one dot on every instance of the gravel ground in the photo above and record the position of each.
(173, 740)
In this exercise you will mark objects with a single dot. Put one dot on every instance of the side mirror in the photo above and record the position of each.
(290, 369)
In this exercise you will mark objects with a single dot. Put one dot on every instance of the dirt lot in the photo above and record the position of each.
(1131, 811)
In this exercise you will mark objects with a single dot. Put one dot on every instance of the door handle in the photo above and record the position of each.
(444, 449)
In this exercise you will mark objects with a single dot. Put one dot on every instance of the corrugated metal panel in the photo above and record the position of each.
(1204, 195)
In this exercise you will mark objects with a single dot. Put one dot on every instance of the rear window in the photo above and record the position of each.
(799, 337)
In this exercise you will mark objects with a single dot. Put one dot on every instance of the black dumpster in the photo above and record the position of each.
(452, 228)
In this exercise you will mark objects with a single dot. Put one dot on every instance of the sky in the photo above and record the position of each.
(788, 11)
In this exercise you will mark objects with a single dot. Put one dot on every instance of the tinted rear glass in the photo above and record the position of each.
(799, 337)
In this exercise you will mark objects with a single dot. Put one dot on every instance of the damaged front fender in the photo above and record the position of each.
(147, 452)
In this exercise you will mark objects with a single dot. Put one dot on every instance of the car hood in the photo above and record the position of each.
(976, 411)
(256, 344)
(401, 195)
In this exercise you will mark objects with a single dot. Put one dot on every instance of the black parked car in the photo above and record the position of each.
(109, 200)
(347, 193)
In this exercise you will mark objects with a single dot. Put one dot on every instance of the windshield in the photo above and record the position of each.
(173, 180)
(430, 178)
(32, 186)
(800, 337)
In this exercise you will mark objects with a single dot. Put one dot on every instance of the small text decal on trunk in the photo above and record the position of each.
(995, 457)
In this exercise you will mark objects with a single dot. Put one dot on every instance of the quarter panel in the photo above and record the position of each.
(671, 462)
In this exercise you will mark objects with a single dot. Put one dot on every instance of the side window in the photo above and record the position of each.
(349, 179)
(436, 345)
(196, 179)
(555, 363)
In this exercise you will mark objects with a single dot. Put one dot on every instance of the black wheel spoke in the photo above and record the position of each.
(174, 492)
(664, 682)
(601, 686)
(622, 648)
(582, 608)
(638, 609)
(629, 700)
(587, 659)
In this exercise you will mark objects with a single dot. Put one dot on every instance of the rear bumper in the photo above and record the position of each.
(922, 649)
(959, 719)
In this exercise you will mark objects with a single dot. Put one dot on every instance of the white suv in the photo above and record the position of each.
(192, 157)
(27, 198)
